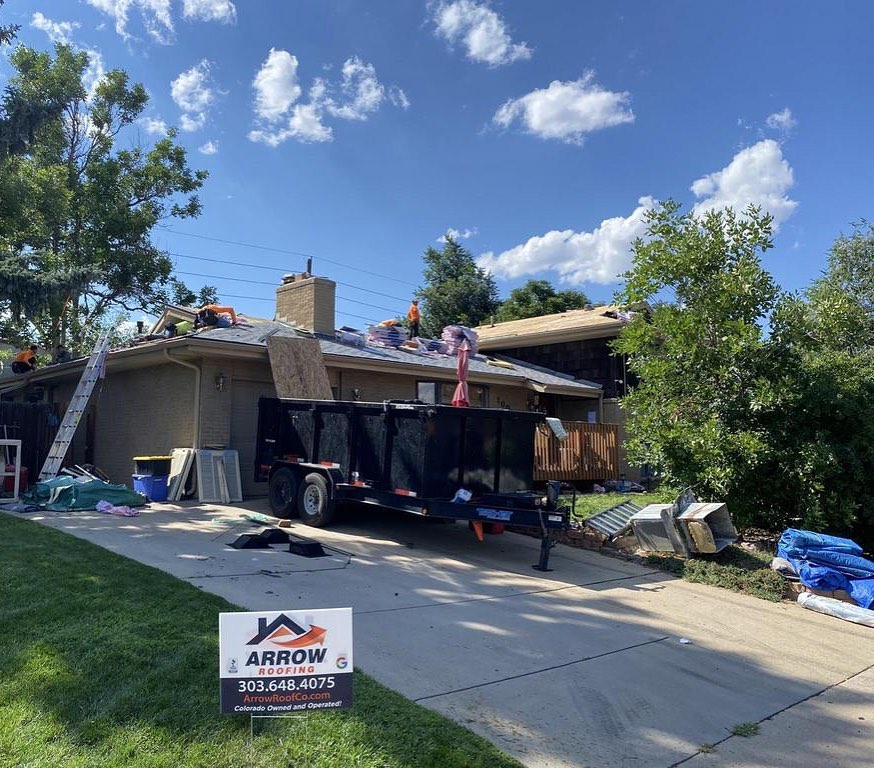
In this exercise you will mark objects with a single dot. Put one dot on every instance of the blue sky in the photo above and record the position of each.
(360, 132)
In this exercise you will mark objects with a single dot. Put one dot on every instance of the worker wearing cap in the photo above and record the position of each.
(25, 361)
(414, 316)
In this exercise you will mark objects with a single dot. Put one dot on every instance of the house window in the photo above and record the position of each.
(441, 392)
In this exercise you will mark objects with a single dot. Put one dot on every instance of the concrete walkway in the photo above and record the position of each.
(579, 667)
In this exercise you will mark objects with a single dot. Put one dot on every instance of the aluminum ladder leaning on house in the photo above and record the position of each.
(78, 403)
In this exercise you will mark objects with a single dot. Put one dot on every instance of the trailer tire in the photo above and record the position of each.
(282, 492)
(314, 501)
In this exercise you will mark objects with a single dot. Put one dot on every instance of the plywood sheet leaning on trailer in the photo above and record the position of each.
(298, 368)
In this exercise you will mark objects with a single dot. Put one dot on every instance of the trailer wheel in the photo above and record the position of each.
(282, 492)
(314, 501)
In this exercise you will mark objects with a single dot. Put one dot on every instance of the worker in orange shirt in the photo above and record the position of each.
(414, 316)
(25, 361)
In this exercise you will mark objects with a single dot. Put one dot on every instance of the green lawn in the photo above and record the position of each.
(589, 504)
(107, 662)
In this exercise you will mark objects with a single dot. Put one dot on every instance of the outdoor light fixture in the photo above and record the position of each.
(356, 394)
(220, 382)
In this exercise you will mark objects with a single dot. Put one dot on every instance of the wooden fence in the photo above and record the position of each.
(590, 452)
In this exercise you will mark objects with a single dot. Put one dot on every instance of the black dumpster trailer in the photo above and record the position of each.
(474, 464)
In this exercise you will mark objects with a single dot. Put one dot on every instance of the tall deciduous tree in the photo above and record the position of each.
(78, 210)
(778, 424)
(456, 290)
(700, 357)
(536, 298)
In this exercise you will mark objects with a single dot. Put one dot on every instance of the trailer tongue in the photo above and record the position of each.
(473, 464)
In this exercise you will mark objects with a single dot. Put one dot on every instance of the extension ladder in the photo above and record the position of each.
(78, 403)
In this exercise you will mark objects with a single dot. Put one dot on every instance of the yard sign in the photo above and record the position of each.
(285, 661)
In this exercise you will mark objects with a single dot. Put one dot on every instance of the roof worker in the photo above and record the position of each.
(62, 355)
(25, 361)
(211, 314)
(413, 315)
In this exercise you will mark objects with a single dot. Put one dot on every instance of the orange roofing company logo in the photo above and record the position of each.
(284, 632)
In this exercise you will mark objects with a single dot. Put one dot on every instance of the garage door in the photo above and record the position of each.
(244, 429)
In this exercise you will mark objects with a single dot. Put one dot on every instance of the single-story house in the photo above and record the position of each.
(576, 343)
(202, 389)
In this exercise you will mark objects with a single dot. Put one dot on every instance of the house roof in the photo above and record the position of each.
(250, 338)
(575, 324)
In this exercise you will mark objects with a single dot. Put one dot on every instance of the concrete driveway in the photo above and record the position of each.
(579, 667)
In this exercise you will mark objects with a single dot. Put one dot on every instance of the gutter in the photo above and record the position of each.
(197, 374)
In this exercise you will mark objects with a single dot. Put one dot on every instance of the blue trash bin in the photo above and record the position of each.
(153, 487)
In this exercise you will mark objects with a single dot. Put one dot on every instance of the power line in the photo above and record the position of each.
(287, 251)
(264, 282)
(276, 269)
(262, 298)
(228, 261)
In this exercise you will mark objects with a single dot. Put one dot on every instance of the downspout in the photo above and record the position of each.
(195, 442)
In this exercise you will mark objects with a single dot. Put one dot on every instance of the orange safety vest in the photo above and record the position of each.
(25, 356)
(413, 314)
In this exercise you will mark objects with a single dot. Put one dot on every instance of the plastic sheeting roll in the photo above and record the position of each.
(837, 608)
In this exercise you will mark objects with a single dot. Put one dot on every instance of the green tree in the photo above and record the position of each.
(536, 298)
(77, 211)
(841, 302)
(456, 290)
(7, 31)
(779, 425)
(701, 358)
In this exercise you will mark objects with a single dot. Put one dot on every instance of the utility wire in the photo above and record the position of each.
(262, 298)
(264, 282)
(287, 251)
(276, 269)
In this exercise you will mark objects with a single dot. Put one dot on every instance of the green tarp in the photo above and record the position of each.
(65, 493)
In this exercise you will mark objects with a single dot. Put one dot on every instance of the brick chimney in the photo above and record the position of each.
(307, 302)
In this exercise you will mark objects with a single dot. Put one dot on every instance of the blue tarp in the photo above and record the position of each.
(828, 563)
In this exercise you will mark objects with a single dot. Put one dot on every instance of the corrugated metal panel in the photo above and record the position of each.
(613, 521)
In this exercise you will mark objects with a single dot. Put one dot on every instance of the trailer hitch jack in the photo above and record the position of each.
(546, 544)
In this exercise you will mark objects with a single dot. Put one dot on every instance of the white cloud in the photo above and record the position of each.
(362, 93)
(193, 93)
(758, 174)
(222, 11)
(458, 234)
(480, 30)
(306, 124)
(153, 125)
(567, 110)
(94, 72)
(276, 86)
(58, 31)
(781, 121)
(209, 148)
(281, 116)
(155, 14)
(397, 97)
(599, 256)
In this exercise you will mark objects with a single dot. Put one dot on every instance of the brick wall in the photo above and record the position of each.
(142, 412)
(307, 303)
(376, 387)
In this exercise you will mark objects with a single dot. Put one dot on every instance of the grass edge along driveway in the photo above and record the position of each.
(108, 662)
